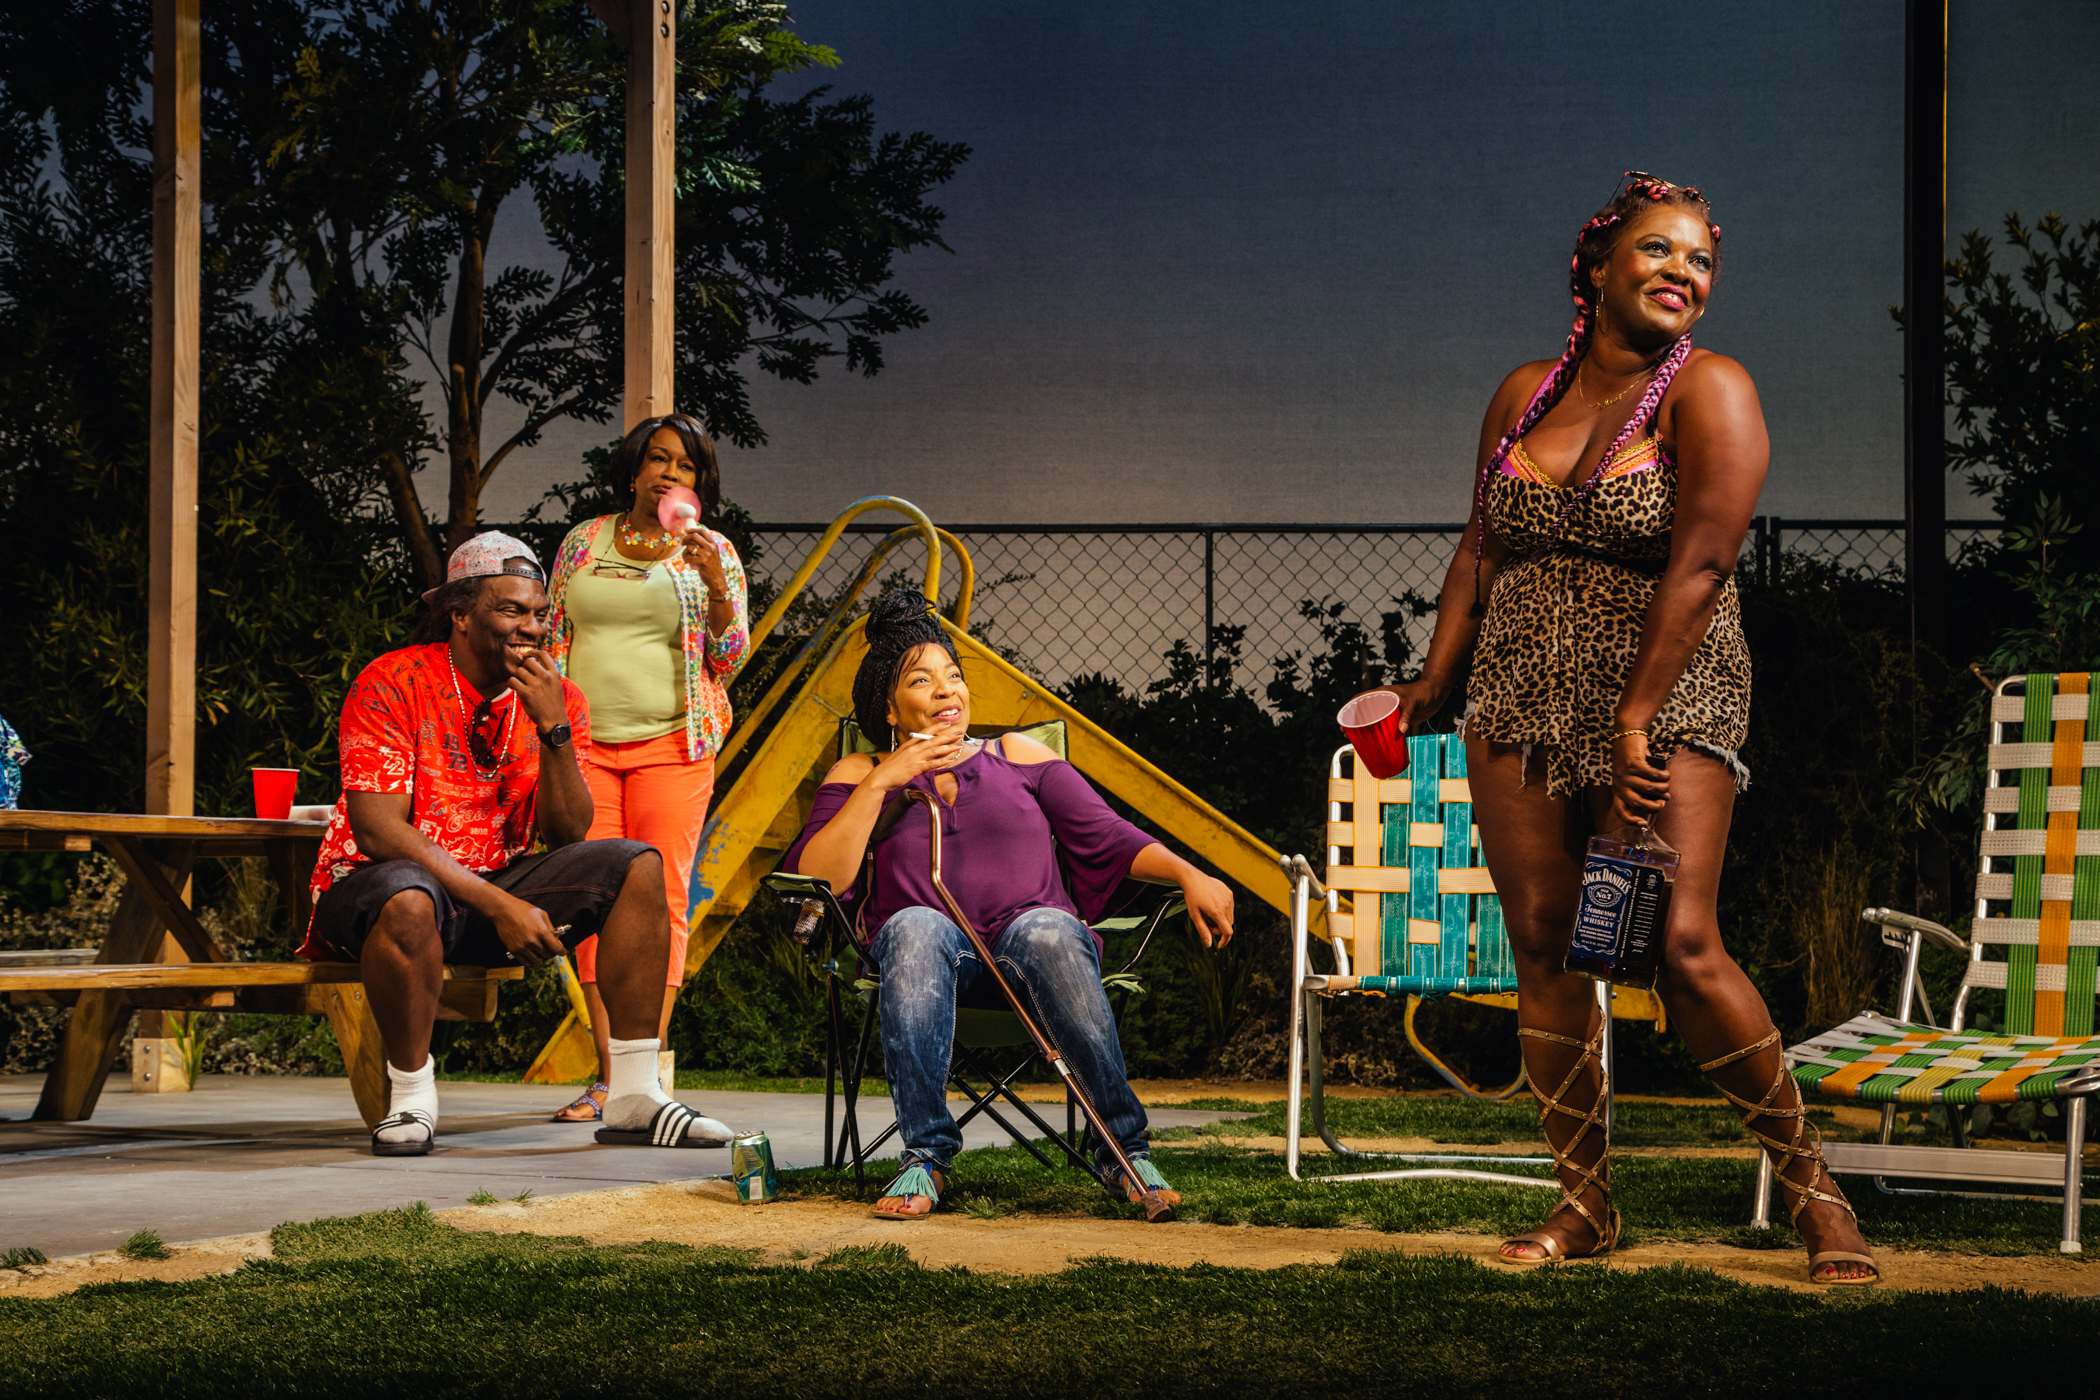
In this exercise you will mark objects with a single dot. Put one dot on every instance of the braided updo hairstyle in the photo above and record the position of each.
(899, 624)
(1593, 245)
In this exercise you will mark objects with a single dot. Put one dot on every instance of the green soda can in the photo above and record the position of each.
(751, 1165)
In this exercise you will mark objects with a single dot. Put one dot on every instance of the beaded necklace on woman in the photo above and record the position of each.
(655, 542)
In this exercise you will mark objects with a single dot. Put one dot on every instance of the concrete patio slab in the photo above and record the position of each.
(241, 1153)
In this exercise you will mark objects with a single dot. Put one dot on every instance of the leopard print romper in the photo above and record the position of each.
(1564, 620)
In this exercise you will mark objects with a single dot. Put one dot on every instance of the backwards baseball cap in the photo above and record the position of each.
(489, 554)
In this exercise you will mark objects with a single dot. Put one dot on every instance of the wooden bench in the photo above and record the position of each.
(105, 986)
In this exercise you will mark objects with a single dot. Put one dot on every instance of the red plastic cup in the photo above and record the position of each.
(1372, 722)
(274, 788)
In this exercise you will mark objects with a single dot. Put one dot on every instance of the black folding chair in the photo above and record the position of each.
(827, 932)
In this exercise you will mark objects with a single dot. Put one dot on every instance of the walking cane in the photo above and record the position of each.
(1156, 1208)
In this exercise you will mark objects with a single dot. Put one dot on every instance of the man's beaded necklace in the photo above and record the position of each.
(510, 719)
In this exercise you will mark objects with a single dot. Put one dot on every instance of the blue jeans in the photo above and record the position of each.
(927, 965)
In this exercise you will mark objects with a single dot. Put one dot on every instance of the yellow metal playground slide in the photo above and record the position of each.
(795, 728)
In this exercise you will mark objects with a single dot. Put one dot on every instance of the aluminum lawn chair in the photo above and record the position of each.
(980, 1031)
(2038, 908)
(1433, 928)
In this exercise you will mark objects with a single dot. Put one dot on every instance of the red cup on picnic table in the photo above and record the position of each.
(274, 788)
(1372, 722)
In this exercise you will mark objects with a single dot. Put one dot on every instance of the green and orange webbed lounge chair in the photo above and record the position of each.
(2034, 938)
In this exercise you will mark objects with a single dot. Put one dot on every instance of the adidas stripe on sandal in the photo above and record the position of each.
(674, 1125)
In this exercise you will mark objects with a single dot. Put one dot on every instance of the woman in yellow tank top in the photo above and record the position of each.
(651, 626)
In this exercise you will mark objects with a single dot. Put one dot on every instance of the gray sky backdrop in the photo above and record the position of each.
(1243, 260)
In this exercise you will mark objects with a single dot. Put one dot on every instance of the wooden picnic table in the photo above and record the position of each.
(157, 856)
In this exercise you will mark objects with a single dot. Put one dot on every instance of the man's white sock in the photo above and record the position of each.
(634, 1094)
(634, 1070)
(413, 1089)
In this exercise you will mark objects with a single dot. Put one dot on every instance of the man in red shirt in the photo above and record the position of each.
(455, 750)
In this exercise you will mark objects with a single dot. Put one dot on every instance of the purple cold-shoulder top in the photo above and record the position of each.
(1019, 836)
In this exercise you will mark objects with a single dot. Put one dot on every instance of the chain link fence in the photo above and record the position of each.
(1071, 600)
(1861, 548)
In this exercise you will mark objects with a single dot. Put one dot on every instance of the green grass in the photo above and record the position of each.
(482, 1197)
(401, 1304)
(1703, 1198)
(874, 1258)
(23, 1257)
(144, 1244)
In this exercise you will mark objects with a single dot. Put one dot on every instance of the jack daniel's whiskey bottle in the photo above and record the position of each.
(1625, 908)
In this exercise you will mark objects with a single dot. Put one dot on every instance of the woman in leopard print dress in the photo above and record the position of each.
(1594, 590)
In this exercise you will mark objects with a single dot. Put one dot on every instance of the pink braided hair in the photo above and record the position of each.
(1591, 246)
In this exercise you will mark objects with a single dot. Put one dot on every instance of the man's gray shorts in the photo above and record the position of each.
(574, 884)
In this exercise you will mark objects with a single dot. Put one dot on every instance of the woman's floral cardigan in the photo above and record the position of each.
(710, 662)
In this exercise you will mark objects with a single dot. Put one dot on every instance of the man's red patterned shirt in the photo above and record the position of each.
(404, 729)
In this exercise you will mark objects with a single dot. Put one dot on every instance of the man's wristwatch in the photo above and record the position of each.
(558, 736)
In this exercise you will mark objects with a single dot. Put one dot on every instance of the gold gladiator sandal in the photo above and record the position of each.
(1597, 1175)
(1788, 1152)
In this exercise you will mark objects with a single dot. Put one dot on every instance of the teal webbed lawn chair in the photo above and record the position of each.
(1423, 921)
(981, 1031)
(2035, 937)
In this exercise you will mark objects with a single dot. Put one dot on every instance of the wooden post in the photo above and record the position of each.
(652, 115)
(171, 594)
(1924, 386)
(1924, 320)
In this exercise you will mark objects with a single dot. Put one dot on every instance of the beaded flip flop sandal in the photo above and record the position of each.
(1149, 1176)
(911, 1183)
(588, 1108)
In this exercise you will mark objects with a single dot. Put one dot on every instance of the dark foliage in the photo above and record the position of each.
(394, 135)
(355, 160)
(2023, 372)
(294, 580)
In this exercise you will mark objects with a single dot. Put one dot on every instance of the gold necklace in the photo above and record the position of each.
(1586, 398)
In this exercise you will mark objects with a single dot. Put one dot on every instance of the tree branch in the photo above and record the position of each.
(408, 508)
(518, 438)
(557, 307)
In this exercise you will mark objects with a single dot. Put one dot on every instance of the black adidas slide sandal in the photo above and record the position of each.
(671, 1127)
(409, 1117)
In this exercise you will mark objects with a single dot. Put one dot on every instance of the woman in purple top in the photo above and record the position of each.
(1030, 852)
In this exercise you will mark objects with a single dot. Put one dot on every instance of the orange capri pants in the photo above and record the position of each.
(650, 791)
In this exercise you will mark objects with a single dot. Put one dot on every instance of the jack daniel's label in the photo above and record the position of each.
(1619, 923)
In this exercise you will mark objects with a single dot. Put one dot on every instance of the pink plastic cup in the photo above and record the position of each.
(1372, 722)
(274, 788)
